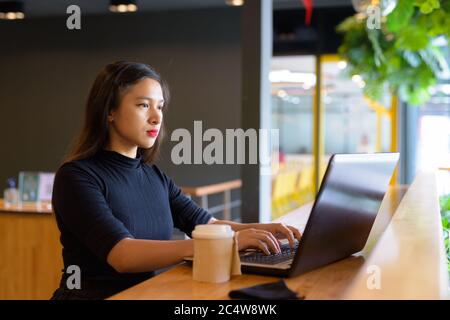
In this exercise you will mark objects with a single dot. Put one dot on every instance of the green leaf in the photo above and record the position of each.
(400, 16)
(412, 38)
(399, 56)
(378, 52)
(374, 89)
(427, 6)
(434, 59)
(445, 5)
(445, 223)
(412, 58)
(418, 96)
(349, 24)
(414, 95)
(438, 22)
(424, 76)
(444, 202)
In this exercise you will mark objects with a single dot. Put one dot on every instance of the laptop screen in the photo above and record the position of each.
(345, 209)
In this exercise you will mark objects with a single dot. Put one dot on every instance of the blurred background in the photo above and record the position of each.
(334, 76)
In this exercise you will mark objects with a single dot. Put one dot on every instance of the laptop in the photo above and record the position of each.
(340, 220)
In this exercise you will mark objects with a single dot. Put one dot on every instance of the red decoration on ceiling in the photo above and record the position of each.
(308, 4)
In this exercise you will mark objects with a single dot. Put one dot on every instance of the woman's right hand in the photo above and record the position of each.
(258, 239)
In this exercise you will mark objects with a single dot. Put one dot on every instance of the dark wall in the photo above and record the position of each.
(292, 36)
(46, 72)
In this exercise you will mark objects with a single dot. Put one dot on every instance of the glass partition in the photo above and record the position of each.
(316, 122)
(293, 81)
(351, 122)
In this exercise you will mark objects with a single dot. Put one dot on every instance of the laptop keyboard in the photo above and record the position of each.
(260, 257)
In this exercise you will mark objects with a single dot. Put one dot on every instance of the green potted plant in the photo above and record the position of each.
(400, 53)
(445, 213)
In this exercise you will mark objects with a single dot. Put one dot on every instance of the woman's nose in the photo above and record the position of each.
(155, 117)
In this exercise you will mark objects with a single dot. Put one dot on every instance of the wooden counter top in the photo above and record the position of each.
(44, 207)
(410, 254)
(408, 249)
(30, 252)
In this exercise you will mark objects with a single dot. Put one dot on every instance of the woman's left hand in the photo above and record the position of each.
(281, 231)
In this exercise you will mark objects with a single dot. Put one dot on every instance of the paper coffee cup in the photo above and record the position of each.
(213, 252)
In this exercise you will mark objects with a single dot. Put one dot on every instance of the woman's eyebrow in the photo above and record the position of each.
(148, 98)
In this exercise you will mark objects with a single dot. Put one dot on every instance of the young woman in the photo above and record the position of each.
(115, 209)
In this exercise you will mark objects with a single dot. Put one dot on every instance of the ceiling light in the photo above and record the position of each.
(356, 78)
(361, 84)
(342, 64)
(235, 3)
(282, 94)
(122, 6)
(12, 10)
(132, 7)
(287, 76)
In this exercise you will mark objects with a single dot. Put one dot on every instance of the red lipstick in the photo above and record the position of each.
(152, 133)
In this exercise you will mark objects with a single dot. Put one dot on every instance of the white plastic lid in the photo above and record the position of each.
(212, 231)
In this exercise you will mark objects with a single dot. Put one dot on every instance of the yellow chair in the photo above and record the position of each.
(304, 192)
(290, 188)
(277, 195)
(283, 189)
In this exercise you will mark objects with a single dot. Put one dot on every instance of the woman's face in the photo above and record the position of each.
(137, 120)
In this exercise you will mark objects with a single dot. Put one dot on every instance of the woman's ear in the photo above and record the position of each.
(111, 116)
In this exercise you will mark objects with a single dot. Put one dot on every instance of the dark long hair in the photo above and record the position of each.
(104, 97)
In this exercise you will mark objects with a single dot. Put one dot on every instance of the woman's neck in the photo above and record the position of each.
(130, 152)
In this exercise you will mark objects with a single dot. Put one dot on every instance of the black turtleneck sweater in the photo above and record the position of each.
(103, 199)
